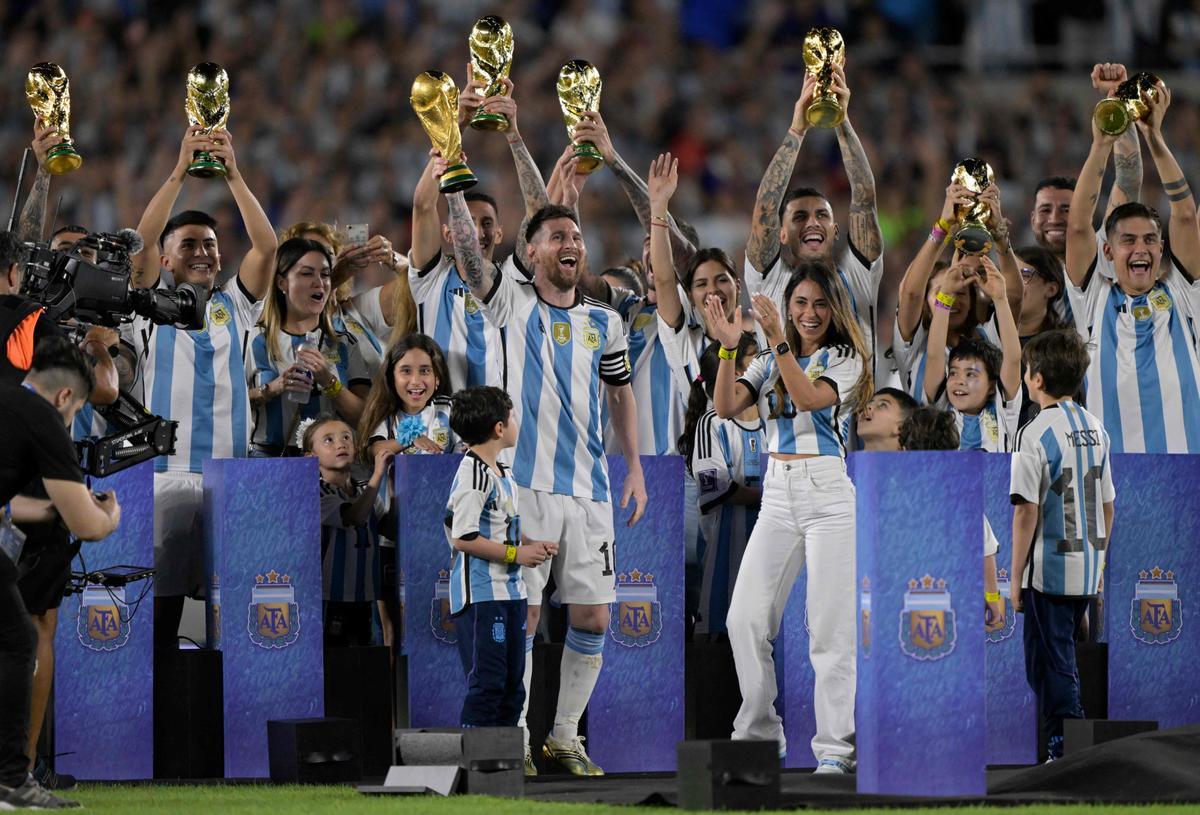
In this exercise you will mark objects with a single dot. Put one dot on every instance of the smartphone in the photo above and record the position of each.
(357, 234)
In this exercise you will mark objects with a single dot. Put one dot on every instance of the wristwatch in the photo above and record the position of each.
(783, 348)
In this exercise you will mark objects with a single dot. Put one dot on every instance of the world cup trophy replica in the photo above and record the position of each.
(491, 45)
(973, 237)
(434, 99)
(207, 105)
(49, 93)
(824, 50)
(1115, 115)
(579, 92)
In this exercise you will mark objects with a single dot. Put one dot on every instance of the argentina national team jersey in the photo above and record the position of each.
(348, 320)
(558, 358)
(350, 565)
(1061, 462)
(992, 429)
(450, 314)
(198, 378)
(435, 419)
(910, 356)
(812, 432)
(1143, 379)
(276, 420)
(483, 504)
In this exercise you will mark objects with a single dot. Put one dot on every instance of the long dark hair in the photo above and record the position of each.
(383, 400)
(700, 256)
(972, 316)
(700, 396)
(1048, 267)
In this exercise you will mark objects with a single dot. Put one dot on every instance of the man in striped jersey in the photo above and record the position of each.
(1062, 494)
(561, 347)
(1144, 379)
(197, 378)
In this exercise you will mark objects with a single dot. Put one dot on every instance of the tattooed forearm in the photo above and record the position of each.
(764, 227)
(33, 216)
(864, 217)
(533, 188)
(1177, 190)
(471, 263)
(639, 196)
(1127, 157)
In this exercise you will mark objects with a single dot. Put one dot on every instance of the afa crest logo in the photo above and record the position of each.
(927, 630)
(1155, 614)
(470, 304)
(864, 615)
(103, 623)
(273, 619)
(591, 336)
(439, 612)
(640, 322)
(218, 315)
(635, 620)
(1003, 585)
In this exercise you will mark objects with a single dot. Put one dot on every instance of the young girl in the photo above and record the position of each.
(726, 458)
(812, 374)
(297, 351)
(982, 384)
(408, 410)
(350, 515)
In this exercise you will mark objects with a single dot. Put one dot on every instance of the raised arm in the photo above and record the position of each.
(993, 285)
(865, 234)
(32, 224)
(1184, 231)
(954, 285)
(477, 272)
(1081, 234)
(998, 225)
(258, 266)
(664, 176)
(763, 245)
(911, 303)
(145, 264)
(426, 229)
(730, 397)
(1127, 152)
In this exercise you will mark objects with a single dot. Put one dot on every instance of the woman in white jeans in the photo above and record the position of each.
(807, 382)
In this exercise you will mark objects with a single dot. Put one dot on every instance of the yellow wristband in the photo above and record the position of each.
(510, 553)
(334, 389)
(944, 224)
(726, 353)
(992, 596)
(946, 300)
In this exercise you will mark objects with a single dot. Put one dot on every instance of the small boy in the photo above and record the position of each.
(487, 593)
(1062, 494)
(879, 423)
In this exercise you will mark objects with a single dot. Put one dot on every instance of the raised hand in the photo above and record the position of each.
(470, 97)
(990, 281)
(956, 195)
(44, 137)
(726, 331)
(222, 148)
(807, 90)
(766, 314)
(840, 88)
(1152, 122)
(505, 104)
(662, 181)
(1106, 76)
(591, 128)
(194, 140)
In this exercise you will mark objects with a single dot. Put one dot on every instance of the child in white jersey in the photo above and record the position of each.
(408, 410)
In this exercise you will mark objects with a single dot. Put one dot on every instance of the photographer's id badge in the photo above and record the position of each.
(12, 540)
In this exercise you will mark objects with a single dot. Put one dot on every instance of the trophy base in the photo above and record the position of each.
(206, 165)
(973, 239)
(458, 177)
(825, 112)
(1112, 117)
(495, 122)
(588, 158)
(62, 158)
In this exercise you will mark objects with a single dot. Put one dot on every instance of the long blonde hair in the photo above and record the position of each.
(843, 330)
(275, 308)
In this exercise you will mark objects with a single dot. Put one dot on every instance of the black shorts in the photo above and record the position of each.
(45, 566)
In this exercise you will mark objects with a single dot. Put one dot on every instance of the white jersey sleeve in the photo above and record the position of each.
(1026, 471)
(467, 502)
(990, 544)
(370, 311)
(710, 466)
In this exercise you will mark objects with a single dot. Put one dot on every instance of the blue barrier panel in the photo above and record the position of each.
(1011, 706)
(263, 532)
(104, 650)
(920, 708)
(1153, 583)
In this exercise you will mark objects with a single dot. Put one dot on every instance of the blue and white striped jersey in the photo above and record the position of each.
(483, 504)
(435, 418)
(910, 356)
(276, 420)
(198, 378)
(1061, 463)
(557, 360)
(1143, 382)
(350, 567)
(813, 432)
(992, 429)
(364, 324)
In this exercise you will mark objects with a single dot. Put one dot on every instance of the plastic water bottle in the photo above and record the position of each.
(312, 340)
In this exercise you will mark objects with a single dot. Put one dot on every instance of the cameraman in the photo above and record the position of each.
(35, 415)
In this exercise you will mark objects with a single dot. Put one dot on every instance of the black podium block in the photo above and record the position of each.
(492, 758)
(358, 686)
(1080, 734)
(314, 751)
(189, 732)
(728, 774)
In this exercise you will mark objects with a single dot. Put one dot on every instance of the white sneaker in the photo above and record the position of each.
(832, 766)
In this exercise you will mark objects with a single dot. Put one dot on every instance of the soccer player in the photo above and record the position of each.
(1062, 494)
(561, 347)
(197, 378)
(880, 420)
(1143, 383)
(802, 220)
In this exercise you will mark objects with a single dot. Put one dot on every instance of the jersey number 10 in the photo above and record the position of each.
(1064, 487)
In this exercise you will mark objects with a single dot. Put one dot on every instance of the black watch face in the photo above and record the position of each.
(782, 348)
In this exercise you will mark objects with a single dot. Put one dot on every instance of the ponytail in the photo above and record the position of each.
(700, 395)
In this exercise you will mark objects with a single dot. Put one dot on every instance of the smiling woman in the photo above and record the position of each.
(298, 352)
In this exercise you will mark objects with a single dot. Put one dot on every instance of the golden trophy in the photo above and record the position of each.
(578, 92)
(49, 93)
(1115, 114)
(824, 50)
(973, 237)
(207, 106)
(491, 44)
(434, 99)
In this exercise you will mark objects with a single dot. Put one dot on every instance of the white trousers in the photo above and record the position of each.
(806, 519)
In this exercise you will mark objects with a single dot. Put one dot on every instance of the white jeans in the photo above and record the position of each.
(806, 519)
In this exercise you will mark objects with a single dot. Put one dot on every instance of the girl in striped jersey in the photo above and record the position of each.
(334, 374)
(408, 410)
(814, 373)
(725, 456)
(350, 515)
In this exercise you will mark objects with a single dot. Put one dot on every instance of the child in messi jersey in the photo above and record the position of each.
(487, 592)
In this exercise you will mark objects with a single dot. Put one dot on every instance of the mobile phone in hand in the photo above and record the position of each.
(357, 234)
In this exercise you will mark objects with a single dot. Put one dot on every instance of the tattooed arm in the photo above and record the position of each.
(865, 234)
(32, 225)
(533, 189)
(1184, 228)
(477, 272)
(1081, 235)
(1127, 157)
